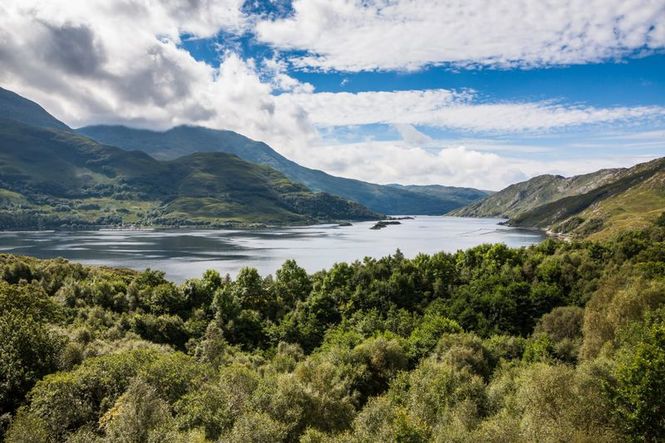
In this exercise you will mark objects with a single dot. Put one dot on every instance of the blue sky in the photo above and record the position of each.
(634, 79)
(470, 93)
(631, 80)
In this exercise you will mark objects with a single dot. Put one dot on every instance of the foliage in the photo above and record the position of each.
(562, 341)
(639, 387)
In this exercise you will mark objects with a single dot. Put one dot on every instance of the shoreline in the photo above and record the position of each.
(206, 227)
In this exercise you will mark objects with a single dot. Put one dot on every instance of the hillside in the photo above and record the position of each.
(458, 195)
(21, 109)
(524, 196)
(634, 199)
(52, 178)
(597, 204)
(184, 140)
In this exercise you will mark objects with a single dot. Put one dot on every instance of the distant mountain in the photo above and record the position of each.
(20, 109)
(52, 177)
(184, 140)
(590, 205)
(524, 196)
(459, 195)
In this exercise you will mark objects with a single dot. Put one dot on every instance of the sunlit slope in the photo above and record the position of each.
(185, 140)
(633, 200)
(51, 177)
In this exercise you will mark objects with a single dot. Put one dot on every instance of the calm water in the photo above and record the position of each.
(187, 253)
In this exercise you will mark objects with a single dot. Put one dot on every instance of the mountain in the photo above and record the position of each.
(20, 109)
(633, 200)
(53, 177)
(455, 194)
(524, 196)
(184, 140)
(592, 205)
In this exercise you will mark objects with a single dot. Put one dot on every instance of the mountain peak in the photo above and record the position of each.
(184, 140)
(20, 109)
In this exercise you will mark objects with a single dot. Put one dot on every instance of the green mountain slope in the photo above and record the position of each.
(184, 140)
(591, 205)
(55, 178)
(633, 200)
(20, 109)
(525, 196)
(455, 194)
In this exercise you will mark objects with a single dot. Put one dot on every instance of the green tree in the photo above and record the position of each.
(639, 391)
(292, 284)
(257, 428)
(29, 349)
(426, 335)
(139, 415)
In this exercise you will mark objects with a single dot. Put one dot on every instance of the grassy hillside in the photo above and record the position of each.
(184, 140)
(593, 205)
(635, 208)
(25, 111)
(525, 196)
(633, 200)
(55, 178)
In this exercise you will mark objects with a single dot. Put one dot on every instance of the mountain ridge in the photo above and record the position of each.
(53, 177)
(589, 205)
(523, 196)
(21, 109)
(387, 199)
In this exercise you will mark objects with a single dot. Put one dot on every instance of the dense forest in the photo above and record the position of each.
(561, 341)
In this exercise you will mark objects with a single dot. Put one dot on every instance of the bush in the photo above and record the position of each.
(257, 428)
(424, 338)
(639, 390)
(138, 415)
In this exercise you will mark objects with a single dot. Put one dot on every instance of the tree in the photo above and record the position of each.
(562, 323)
(292, 284)
(380, 420)
(138, 416)
(257, 428)
(660, 221)
(382, 358)
(639, 391)
(424, 338)
(28, 348)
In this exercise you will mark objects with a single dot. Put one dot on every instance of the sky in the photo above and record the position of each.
(479, 93)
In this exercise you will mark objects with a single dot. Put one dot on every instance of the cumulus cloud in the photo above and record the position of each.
(122, 62)
(399, 161)
(357, 35)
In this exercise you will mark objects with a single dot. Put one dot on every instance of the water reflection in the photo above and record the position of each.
(187, 253)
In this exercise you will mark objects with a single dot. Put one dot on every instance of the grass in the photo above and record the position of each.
(636, 208)
(8, 197)
(631, 202)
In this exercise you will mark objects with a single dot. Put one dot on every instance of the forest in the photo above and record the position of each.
(557, 342)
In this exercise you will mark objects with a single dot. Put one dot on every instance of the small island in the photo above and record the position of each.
(384, 224)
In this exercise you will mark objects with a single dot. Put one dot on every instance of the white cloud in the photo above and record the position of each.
(412, 136)
(119, 61)
(400, 162)
(355, 35)
(456, 110)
